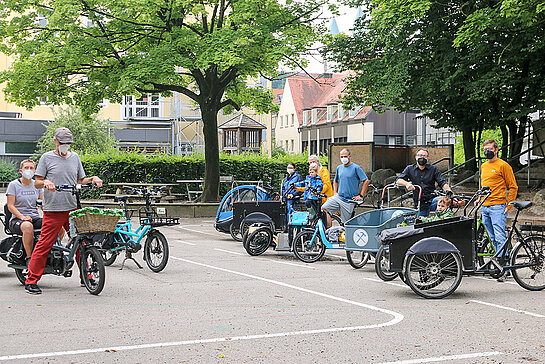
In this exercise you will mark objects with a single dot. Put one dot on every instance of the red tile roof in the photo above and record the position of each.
(308, 93)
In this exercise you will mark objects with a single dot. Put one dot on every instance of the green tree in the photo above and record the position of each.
(443, 58)
(91, 134)
(84, 51)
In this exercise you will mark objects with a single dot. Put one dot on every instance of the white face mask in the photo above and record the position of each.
(290, 170)
(28, 173)
(345, 160)
(63, 148)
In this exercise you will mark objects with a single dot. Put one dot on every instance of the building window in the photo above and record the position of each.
(354, 112)
(281, 121)
(292, 119)
(292, 145)
(286, 146)
(146, 106)
(331, 112)
(20, 147)
(341, 112)
(230, 138)
(251, 139)
(306, 117)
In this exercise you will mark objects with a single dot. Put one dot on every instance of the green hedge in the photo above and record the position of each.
(133, 167)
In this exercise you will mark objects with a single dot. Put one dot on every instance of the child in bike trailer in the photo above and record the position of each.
(312, 185)
(443, 210)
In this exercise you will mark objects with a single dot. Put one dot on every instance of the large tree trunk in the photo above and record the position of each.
(504, 141)
(211, 153)
(469, 148)
(516, 133)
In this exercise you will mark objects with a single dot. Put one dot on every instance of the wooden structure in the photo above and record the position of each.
(241, 134)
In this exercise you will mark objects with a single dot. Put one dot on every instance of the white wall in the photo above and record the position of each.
(286, 133)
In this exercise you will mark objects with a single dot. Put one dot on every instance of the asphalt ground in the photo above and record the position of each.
(213, 303)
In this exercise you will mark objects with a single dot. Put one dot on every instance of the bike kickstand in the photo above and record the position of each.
(129, 256)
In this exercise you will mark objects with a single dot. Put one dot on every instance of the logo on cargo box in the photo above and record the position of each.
(360, 237)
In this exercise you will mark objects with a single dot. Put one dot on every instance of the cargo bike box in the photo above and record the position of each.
(457, 230)
(361, 230)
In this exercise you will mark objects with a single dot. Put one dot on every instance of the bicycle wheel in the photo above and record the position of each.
(258, 241)
(484, 249)
(92, 270)
(21, 274)
(307, 249)
(382, 265)
(235, 233)
(109, 257)
(336, 220)
(357, 258)
(156, 251)
(434, 275)
(530, 252)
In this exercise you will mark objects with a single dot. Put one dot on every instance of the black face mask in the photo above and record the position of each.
(422, 161)
(489, 154)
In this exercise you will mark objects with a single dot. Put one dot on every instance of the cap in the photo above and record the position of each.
(63, 135)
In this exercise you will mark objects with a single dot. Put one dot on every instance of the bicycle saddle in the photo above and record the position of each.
(122, 198)
(521, 205)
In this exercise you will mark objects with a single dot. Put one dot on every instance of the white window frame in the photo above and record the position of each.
(145, 107)
(292, 119)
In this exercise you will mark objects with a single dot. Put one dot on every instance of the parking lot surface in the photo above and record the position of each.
(214, 303)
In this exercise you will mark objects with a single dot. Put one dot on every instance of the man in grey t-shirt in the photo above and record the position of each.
(56, 167)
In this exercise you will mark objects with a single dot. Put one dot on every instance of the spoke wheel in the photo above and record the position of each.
(156, 251)
(109, 257)
(235, 233)
(433, 275)
(22, 275)
(307, 249)
(258, 241)
(382, 265)
(357, 258)
(533, 277)
(92, 270)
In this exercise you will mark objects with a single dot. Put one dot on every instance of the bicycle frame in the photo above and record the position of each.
(125, 230)
(320, 229)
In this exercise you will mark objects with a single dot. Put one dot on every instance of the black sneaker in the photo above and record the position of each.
(32, 289)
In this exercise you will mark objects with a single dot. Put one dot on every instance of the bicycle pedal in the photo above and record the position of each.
(67, 274)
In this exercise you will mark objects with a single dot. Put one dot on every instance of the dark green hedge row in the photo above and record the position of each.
(133, 167)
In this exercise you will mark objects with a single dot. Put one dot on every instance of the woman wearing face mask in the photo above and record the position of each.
(324, 175)
(22, 196)
(291, 177)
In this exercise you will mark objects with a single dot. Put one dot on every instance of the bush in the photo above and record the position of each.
(8, 170)
(134, 167)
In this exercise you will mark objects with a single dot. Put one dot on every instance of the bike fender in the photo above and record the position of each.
(258, 217)
(433, 245)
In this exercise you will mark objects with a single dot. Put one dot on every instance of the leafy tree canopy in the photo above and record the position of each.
(468, 64)
(83, 51)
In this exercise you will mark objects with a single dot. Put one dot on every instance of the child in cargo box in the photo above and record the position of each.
(443, 210)
(312, 185)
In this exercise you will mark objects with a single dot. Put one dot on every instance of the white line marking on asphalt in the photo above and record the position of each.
(492, 279)
(381, 281)
(336, 256)
(185, 242)
(197, 231)
(444, 358)
(509, 309)
(288, 263)
(228, 251)
(397, 317)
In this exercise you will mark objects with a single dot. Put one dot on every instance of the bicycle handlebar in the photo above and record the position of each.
(74, 188)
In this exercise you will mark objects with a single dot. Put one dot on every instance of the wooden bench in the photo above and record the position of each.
(192, 194)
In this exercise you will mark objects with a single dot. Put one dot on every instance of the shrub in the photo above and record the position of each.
(8, 170)
(134, 167)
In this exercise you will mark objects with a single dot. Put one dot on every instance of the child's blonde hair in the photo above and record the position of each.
(445, 199)
(312, 168)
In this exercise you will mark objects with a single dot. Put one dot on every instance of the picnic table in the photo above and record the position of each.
(189, 183)
(119, 185)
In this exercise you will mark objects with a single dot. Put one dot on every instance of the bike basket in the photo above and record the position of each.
(91, 223)
(156, 221)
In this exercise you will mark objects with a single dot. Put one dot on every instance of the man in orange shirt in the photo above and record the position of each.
(498, 175)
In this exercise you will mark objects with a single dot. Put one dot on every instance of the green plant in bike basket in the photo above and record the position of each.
(96, 211)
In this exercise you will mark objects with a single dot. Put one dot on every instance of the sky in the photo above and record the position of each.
(345, 21)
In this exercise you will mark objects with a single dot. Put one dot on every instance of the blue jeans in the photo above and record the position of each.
(494, 220)
(425, 212)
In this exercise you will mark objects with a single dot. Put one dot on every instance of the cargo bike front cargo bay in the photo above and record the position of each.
(432, 257)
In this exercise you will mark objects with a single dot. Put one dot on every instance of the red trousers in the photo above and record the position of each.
(51, 225)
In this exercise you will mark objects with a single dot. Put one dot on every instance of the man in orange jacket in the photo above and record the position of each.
(498, 175)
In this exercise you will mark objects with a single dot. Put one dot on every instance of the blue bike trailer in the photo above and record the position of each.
(360, 231)
(224, 215)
